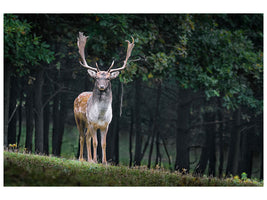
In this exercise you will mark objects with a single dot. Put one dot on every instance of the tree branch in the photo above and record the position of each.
(13, 113)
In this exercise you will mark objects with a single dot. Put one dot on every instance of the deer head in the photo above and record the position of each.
(102, 78)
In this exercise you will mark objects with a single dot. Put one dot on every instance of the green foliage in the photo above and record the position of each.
(244, 176)
(226, 65)
(34, 170)
(197, 51)
(22, 48)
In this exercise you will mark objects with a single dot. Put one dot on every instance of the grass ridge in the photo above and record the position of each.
(36, 170)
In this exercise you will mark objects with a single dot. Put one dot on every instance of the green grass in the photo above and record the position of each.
(35, 170)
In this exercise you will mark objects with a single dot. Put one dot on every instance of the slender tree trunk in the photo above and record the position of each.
(109, 148)
(130, 139)
(29, 119)
(156, 121)
(158, 154)
(20, 117)
(246, 154)
(221, 144)
(182, 150)
(211, 130)
(47, 92)
(166, 150)
(117, 129)
(233, 156)
(151, 149)
(7, 75)
(12, 126)
(39, 112)
(46, 128)
(116, 143)
(208, 152)
(148, 138)
(261, 147)
(61, 125)
(55, 124)
(138, 139)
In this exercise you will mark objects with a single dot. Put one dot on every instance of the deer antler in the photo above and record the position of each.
(81, 45)
(128, 54)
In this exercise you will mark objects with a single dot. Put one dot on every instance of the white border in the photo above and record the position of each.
(135, 6)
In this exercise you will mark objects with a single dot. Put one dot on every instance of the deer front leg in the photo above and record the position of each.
(94, 133)
(103, 144)
(88, 144)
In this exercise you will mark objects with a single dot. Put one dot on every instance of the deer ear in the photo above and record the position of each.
(91, 73)
(114, 74)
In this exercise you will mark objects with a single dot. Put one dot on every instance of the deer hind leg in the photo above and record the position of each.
(88, 144)
(103, 144)
(81, 131)
(81, 147)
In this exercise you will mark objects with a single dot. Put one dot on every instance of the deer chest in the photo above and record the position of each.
(99, 113)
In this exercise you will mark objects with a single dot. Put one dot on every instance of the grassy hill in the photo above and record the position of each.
(35, 170)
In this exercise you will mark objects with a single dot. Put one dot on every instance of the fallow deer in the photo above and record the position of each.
(92, 110)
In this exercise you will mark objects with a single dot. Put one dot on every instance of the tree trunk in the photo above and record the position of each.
(55, 124)
(149, 136)
(39, 114)
(29, 119)
(204, 157)
(156, 122)
(20, 117)
(151, 149)
(233, 156)
(109, 148)
(208, 152)
(12, 126)
(117, 126)
(130, 139)
(7, 75)
(221, 144)
(61, 125)
(47, 92)
(46, 129)
(116, 142)
(138, 139)
(166, 150)
(211, 131)
(182, 150)
(261, 147)
(158, 155)
(246, 154)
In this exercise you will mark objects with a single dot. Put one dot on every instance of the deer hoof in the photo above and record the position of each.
(91, 161)
(105, 163)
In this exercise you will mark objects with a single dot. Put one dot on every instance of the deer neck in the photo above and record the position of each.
(103, 96)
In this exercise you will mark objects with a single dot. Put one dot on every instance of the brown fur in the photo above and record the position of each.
(80, 104)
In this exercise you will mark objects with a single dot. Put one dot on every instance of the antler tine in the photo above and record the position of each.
(97, 66)
(111, 66)
(81, 42)
(128, 54)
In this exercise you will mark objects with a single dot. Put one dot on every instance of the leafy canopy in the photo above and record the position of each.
(23, 48)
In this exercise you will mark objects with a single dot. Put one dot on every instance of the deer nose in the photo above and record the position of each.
(101, 87)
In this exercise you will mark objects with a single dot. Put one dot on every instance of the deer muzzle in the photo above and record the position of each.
(101, 87)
